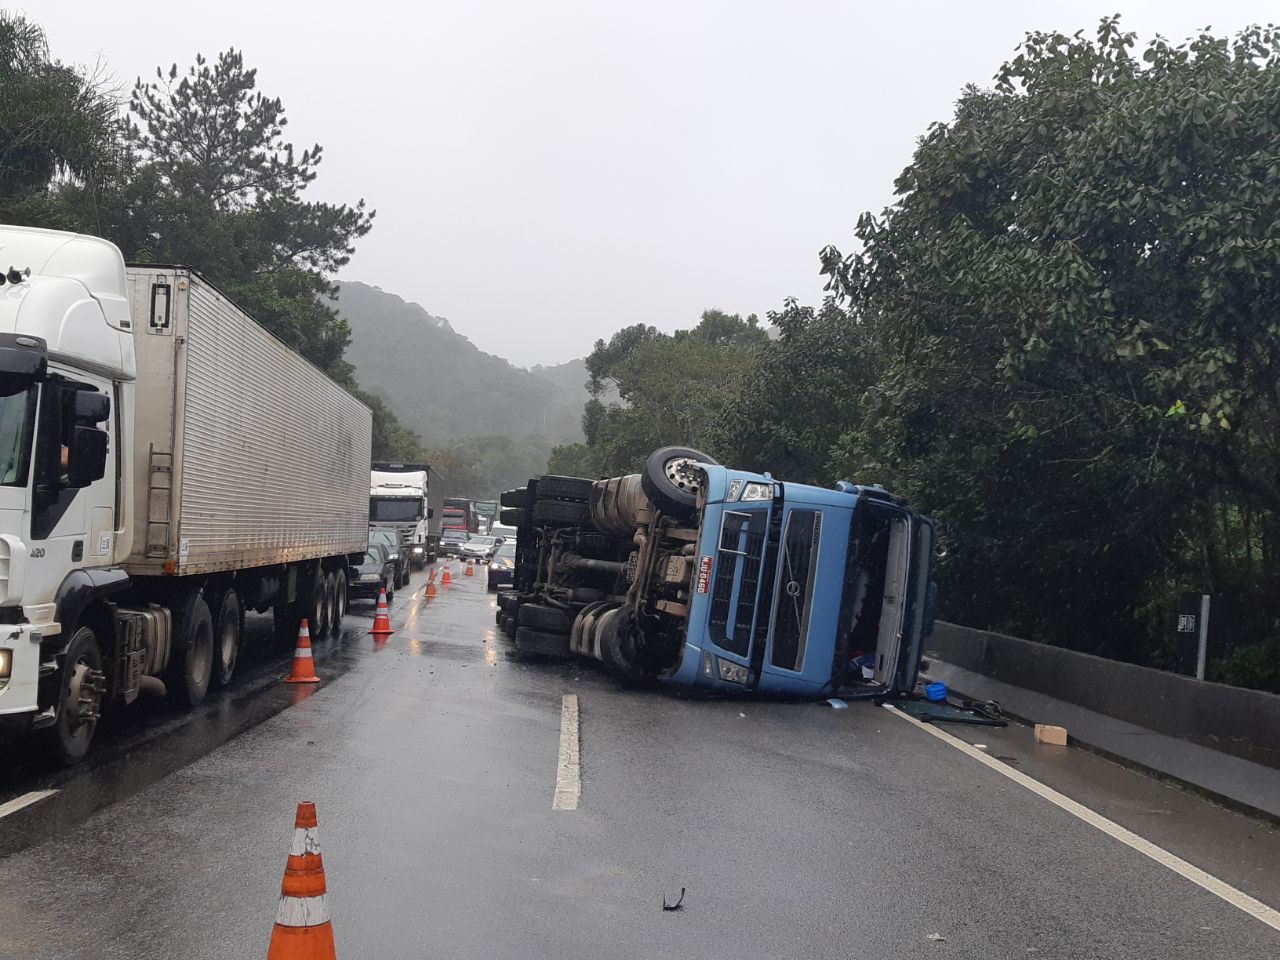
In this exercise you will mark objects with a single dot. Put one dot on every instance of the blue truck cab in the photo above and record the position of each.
(799, 586)
(696, 575)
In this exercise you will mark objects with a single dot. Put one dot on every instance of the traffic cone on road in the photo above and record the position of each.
(470, 571)
(303, 930)
(446, 577)
(382, 618)
(431, 584)
(304, 667)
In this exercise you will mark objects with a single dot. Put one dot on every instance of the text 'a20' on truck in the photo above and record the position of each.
(406, 498)
(165, 466)
(698, 575)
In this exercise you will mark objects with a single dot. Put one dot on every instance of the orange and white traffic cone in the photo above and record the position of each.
(431, 584)
(303, 930)
(446, 577)
(304, 667)
(382, 618)
(470, 571)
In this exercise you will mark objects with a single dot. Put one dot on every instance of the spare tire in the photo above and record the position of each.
(512, 498)
(666, 484)
(564, 488)
(542, 617)
(567, 513)
(514, 517)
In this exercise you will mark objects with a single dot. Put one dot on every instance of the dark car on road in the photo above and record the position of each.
(502, 566)
(399, 556)
(374, 572)
(451, 541)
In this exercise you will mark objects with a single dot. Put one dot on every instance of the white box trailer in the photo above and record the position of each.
(165, 466)
(245, 454)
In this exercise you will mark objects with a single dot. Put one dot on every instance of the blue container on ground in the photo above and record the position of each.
(936, 692)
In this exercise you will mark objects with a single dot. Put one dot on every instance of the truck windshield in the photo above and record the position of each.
(17, 419)
(395, 509)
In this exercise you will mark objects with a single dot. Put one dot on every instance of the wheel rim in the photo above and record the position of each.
(679, 471)
(201, 656)
(83, 696)
(227, 647)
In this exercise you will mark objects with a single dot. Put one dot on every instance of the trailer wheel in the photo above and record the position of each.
(338, 609)
(509, 628)
(512, 498)
(228, 636)
(666, 482)
(565, 488)
(194, 632)
(542, 617)
(540, 643)
(564, 512)
(316, 604)
(80, 687)
(514, 517)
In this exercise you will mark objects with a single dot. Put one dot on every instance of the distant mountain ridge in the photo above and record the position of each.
(443, 387)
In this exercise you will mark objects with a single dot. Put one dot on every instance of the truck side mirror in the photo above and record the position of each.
(87, 458)
(91, 407)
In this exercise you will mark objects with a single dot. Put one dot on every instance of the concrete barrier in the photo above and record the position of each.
(1244, 723)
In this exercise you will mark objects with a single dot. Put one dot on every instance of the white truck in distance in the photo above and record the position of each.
(165, 465)
(407, 498)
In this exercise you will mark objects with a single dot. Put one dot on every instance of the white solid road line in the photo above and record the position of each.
(1255, 908)
(26, 800)
(569, 769)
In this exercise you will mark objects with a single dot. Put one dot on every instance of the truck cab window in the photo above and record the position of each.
(17, 419)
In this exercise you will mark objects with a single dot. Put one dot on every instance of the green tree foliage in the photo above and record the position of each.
(482, 467)
(1062, 340)
(670, 388)
(55, 122)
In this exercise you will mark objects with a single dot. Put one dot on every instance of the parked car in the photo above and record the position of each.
(375, 571)
(395, 551)
(502, 567)
(451, 541)
(479, 548)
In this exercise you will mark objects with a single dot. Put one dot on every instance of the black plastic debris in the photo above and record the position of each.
(673, 906)
(928, 711)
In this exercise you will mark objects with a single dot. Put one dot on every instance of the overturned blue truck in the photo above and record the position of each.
(697, 575)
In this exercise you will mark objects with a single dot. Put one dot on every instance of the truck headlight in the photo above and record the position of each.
(732, 672)
(758, 491)
(6, 663)
(417, 549)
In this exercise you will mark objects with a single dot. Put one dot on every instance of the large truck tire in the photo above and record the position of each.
(664, 484)
(564, 488)
(194, 663)
(80, 689)
(541, 644)
(338, 609)
(508, 601)
(568, 513)
(314, 602)
(228, 634)
(542, 617)
(512, 498)
(514, 517)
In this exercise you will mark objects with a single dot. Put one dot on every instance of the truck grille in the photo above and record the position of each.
(741, 547)
(795, 588)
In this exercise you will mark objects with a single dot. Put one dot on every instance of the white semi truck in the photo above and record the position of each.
(407, 498)
(165, 465)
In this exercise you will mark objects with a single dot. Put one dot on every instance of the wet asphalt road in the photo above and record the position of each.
(797, 830)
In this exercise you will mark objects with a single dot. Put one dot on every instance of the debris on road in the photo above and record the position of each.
(838, 704)
(1047, 733)
(673, 906)
(927, 711)
(936, 938)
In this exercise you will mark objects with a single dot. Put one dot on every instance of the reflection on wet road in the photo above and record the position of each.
(435, 757)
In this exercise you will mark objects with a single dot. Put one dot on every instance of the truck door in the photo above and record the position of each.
(806, 590)
(73, 498)
(738, 579)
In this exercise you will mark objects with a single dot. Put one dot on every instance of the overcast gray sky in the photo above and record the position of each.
(547, 171)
